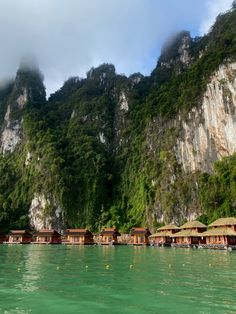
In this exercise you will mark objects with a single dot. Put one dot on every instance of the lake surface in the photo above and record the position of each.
(62, 279)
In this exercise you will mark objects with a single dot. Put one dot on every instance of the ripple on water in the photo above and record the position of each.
(78, 280)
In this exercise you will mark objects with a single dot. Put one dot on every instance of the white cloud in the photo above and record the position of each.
(214, 8)
(68, 37)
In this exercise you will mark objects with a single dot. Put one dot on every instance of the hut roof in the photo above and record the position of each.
(187, 233)
(229, 221)
(193, 224)
(45, 232)
(164, 233)
(81, 232)
(110, 231)
(20, 232)
(168, 227)
(144, 231)
(221, 231)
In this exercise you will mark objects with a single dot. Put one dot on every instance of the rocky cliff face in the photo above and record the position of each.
(12, 127)
(209, 132)
(39, 218)
(28, 85)
(123, 151)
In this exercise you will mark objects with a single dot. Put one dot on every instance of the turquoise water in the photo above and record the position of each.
(60, 279)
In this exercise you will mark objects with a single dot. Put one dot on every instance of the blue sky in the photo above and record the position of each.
(70, 36)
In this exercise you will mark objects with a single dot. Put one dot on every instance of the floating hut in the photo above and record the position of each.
(222, 232)
(20, 237)
(48, 236)
(163, 235)
(140, 236)
(79, 236)
(3, 237)
(108, 236)
(190, 234)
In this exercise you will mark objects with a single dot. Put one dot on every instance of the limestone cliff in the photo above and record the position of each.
(124, 151)
(27, 87)
(209, 132)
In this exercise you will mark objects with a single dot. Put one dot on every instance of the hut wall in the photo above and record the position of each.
(88, 239)
(217, 240)
(202, 240)
(108, 239)
(26, 239)
(194, 240)
(43, 239)
(15, 239)
(56, 239)
(76, 239)
(183, 240)
(20, 239)
(139, 239)
(231, 240)
(159, 240)
(162, 240)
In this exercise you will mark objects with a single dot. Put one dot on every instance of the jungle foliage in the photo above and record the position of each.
(94, 161)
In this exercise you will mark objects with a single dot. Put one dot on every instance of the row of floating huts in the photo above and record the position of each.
(219, 234)
(108, 236)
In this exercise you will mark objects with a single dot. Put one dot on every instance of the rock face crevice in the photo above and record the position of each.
(209, 132)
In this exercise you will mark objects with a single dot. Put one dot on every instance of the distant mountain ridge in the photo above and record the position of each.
(111, 150)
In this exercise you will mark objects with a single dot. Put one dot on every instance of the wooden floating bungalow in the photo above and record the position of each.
(140, 236)
(108, 236)
(222, 233)
(3, 237)
(20, 237)
(79, 236)
(48, 236)
(163, 237)
(191, 233)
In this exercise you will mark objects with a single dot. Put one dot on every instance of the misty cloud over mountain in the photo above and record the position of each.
(68, 38)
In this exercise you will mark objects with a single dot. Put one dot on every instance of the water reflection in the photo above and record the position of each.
(31, 269)
(60, 279)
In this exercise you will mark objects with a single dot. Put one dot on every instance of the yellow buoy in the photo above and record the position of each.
(131, 266)
(86, 266)
(107, 266)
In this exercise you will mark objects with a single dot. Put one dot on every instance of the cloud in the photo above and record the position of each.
(68, 37)
(214, 8)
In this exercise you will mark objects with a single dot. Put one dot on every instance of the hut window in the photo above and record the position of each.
(141, 239)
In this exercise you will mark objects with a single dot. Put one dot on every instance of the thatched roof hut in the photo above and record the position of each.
(165, 231)
(228, 221)
(221, 231)
(193, 225)
(168, 227)
(190, 233)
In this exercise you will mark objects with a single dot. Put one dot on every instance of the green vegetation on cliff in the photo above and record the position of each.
(99, 163)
